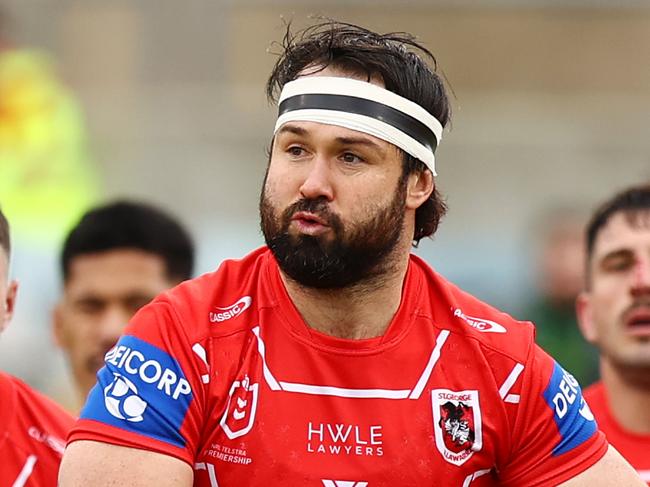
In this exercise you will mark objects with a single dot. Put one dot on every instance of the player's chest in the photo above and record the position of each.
(313, 419)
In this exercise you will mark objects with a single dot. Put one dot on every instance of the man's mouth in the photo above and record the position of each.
(308, 217)
(637, 321)
(309, 223)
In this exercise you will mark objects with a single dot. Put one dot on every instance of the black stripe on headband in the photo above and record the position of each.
(361, 106)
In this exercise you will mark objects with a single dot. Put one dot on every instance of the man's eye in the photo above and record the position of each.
(135, 303)
(296, 151)
(89, 306)
(351, 158)
(617, 264)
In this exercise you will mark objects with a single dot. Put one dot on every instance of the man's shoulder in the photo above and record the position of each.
(465, 315)
(32, 405)
(595, 393)
(596, 397)
(218, 296)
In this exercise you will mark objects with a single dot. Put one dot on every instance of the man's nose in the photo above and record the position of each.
(641, 277)
(318, 180)
(112, 324)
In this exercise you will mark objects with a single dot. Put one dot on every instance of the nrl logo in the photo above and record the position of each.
(456, 424)
(240, 411)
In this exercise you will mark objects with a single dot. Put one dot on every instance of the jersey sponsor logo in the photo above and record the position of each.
(457, 424)
(345, 439)
(231, 311)
(480, 324)
(239, 416)
(141, 389)
(572, 415)
(122, 400)
(343, 483)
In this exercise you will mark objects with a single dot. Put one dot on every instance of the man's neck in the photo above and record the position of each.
(361, 311)
(628, 393)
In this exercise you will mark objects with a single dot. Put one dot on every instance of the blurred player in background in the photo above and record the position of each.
(114, 261)
(333, 356)
(560, 278)
(614, 314)
(32, 427)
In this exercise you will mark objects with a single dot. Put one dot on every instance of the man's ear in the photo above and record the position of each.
(584, 312)
(58, 332)
(419, 187)
(9, 304)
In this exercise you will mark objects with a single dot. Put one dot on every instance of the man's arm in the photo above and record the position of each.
(610, 470)
(101, 464)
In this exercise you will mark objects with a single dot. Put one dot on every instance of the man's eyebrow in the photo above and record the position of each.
(359, 141)
(348, 140)
(292, 129)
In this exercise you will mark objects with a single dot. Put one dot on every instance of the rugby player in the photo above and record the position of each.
(32, 427)
(114, 261)
(614, 314)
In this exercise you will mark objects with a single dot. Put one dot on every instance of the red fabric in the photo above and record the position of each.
(634, 447)
(280, 404)
(33, 432)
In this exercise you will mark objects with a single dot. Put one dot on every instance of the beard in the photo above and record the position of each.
(345, 257)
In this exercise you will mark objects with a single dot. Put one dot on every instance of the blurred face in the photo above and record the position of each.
(102, 293)
(615, 313)
(7, 292)
(562, 260)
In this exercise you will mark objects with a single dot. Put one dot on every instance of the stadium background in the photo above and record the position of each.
(550, 109)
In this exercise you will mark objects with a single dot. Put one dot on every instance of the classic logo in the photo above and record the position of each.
(480, 324)
(240, 412)
(343, 483)
(456, 424)
(122, 400)
(231, 311)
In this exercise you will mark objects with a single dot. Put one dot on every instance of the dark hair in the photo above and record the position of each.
(5, 241)
(397, 58)
(632, 202)
(125, 224)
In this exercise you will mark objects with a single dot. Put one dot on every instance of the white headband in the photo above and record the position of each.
(365, 107)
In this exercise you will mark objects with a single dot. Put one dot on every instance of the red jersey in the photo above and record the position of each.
(634, 447)
(223, 373)
(32, 435)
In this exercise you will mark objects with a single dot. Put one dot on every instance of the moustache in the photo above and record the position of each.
(639, 302)
(318, 207)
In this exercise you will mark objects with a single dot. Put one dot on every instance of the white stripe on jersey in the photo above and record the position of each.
(25, 472)
(510, 381)
(473, 476)
(261, 348)
(321, 390)
(435, 355)
(512, 398)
